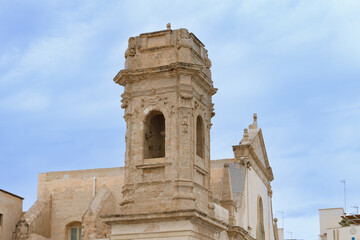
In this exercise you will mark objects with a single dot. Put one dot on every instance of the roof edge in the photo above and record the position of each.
(14, 195)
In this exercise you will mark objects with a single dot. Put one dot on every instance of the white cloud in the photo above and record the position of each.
(48, 55)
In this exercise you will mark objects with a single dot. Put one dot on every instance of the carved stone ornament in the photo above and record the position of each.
(196, 105)
(154, 100)
(173, 109)
(184, 39)
(131, 51)
(185, 123)
(124, 104)
(212, 110)
(184, 33)
(208, 63)
(127, 116)
(186, 96)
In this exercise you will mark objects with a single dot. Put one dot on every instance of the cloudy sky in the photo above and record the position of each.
(295, 63)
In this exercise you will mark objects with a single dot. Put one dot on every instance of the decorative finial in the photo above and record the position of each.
(246, 135)
(275, 219)
(254, 125)
(168, 26)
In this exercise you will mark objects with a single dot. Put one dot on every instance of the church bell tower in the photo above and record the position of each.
(168, 109)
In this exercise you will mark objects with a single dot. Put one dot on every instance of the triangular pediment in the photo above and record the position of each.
(258, 145)
(253, 141)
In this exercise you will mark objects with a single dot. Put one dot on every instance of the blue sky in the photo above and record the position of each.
(295, 63)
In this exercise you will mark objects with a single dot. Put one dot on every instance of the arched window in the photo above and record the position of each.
(200, 137)
(74, 231)
(154, 144)
(260, 231)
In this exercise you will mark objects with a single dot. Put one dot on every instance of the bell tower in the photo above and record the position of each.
(168, 108)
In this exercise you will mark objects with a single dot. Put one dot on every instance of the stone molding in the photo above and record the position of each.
(238, 233)
(249, 152)
(166, 215)
(126, 76)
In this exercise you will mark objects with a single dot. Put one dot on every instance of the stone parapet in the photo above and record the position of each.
(166, 47)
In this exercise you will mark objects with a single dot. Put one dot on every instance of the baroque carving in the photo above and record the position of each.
(207, 60)
(150, 101)
(185, 122)
(124, 104)
(131, 51)
(186, 98)
(184, 39)
(196, 105)
(173, 110)
(184, 33)
(212, 110)
(127, 116)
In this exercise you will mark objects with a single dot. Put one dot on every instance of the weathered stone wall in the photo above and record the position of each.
(180, 229)
(37, 220)
(92, 225)
(11, 210)
(73, 192)
(37, 237)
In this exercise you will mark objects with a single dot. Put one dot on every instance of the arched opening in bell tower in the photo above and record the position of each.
(154, 137)
(200, 137)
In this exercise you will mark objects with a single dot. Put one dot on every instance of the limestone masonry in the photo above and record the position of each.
(10, 213)
(169, 188)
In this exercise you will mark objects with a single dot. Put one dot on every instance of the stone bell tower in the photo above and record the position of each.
(168, 109)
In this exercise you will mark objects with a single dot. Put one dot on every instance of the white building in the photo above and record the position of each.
(331, 229)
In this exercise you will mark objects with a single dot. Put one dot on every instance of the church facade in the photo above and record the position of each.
(169, 187)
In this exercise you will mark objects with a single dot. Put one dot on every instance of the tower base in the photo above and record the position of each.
(179, 225)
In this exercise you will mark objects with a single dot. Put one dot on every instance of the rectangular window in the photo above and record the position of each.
(74, 234)
(1, 219)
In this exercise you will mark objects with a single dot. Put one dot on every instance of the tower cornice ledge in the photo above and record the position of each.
(134, 75)
(177, 214)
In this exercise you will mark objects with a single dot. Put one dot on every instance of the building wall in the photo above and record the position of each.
(255, 189)
(73, 191)
(11, 209)
(165, 230)
(343, 233)
(330, 218)
(281, 233)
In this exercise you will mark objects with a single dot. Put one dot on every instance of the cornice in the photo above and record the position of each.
(267, 172)
(237, 232)
(177, 214)
(174, 69)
